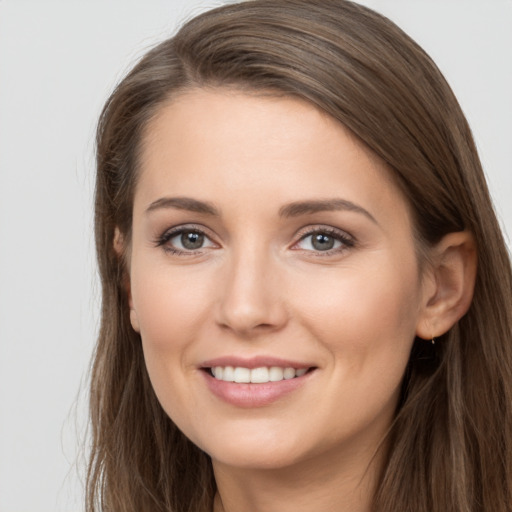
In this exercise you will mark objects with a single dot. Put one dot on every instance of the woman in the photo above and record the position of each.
(306, 294)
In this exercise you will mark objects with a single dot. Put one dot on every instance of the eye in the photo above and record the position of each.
(189, 240)
(184, 240)
(325, 240)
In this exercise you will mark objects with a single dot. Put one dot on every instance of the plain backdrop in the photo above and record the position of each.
(58, 62)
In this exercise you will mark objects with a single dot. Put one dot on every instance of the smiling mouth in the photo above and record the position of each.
(261, 375)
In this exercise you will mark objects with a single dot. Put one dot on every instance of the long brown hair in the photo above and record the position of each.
(451, 441)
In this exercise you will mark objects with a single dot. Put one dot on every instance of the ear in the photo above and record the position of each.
(448, 289)
(120, 250)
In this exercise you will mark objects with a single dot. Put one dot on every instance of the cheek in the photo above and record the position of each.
(171, 311)
(367, 324)
(367, 318)
(169, 304)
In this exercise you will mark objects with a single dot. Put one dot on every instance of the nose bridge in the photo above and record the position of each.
(251, 298)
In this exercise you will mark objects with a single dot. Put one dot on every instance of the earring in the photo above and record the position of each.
(424, 355)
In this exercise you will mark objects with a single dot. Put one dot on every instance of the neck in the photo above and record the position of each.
(328, 483)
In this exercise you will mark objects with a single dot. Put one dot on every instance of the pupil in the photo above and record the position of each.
(323, 242)
(192, 240)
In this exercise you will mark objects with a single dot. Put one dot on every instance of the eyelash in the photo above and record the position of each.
(164, 238)
(346, 240)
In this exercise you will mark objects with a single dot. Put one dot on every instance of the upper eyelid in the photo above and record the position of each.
(346, 239)
(309, 230)
(164, 236)
(187, 227)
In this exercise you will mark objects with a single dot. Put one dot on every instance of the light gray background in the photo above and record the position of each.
(58, 62)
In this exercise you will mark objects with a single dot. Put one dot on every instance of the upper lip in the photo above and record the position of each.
(254, 362)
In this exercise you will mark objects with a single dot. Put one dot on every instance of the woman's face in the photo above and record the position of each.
(269, 245)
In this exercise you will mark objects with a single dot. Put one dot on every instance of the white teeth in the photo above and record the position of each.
(242, 374)
(275, 374)
(289, 373)
(228, 374)
(259, 375)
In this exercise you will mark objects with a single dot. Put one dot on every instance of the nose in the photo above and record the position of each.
(253, 299)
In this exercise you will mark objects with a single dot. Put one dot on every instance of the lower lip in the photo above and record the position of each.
(253, 395)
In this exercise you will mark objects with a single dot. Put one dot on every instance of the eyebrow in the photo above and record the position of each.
(298, 208)
(184, 203)
(294, 209)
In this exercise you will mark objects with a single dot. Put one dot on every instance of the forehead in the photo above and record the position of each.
(221, 144)
(266, 119)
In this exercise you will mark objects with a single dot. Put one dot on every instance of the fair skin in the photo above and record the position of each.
(266, 235)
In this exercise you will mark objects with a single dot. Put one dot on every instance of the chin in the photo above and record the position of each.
(251, 451)
(257, 459)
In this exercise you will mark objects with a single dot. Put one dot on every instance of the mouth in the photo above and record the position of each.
(257, 381)
(260, 375)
